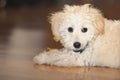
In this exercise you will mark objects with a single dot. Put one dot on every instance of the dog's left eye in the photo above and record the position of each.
(84, 30)
(70, 29)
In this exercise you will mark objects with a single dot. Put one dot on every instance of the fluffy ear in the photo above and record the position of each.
(99, 24)
(97, 18)
(55, 21)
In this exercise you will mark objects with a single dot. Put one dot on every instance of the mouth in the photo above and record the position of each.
(81, 50)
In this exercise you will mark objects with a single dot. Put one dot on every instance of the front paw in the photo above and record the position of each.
(47, 57)
(39, 59)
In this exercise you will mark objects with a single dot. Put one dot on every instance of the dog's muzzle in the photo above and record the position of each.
(81, 50)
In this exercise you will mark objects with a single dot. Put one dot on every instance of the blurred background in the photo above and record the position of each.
(25, 31)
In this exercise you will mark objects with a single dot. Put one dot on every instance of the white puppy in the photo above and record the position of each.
(88, 38)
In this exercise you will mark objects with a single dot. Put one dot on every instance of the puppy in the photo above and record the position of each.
(88, 38)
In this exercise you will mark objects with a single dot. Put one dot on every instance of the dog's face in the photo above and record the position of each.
(75, 32)
(76, 26)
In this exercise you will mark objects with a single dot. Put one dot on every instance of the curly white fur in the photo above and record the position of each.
(102, 37)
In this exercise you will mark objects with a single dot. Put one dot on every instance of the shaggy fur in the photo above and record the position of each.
(99, 45)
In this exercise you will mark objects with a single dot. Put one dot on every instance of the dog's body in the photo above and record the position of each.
(89, 39)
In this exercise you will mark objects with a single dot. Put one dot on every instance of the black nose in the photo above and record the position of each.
(77, 45)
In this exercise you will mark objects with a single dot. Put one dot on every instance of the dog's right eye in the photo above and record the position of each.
(70, 29)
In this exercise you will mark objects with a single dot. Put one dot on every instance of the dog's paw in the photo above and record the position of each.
(39, 59)
(47, 57)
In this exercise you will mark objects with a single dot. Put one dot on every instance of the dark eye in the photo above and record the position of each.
(70, 29)
(84, 30)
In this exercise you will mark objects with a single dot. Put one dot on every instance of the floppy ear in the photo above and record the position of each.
(99, 24)
(55, 21)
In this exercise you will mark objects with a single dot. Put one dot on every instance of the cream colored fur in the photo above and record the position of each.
(103, 37)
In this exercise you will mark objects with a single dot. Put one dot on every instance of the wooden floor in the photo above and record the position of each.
(24, 32)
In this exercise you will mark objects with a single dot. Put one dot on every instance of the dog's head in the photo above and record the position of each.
(75, 26)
